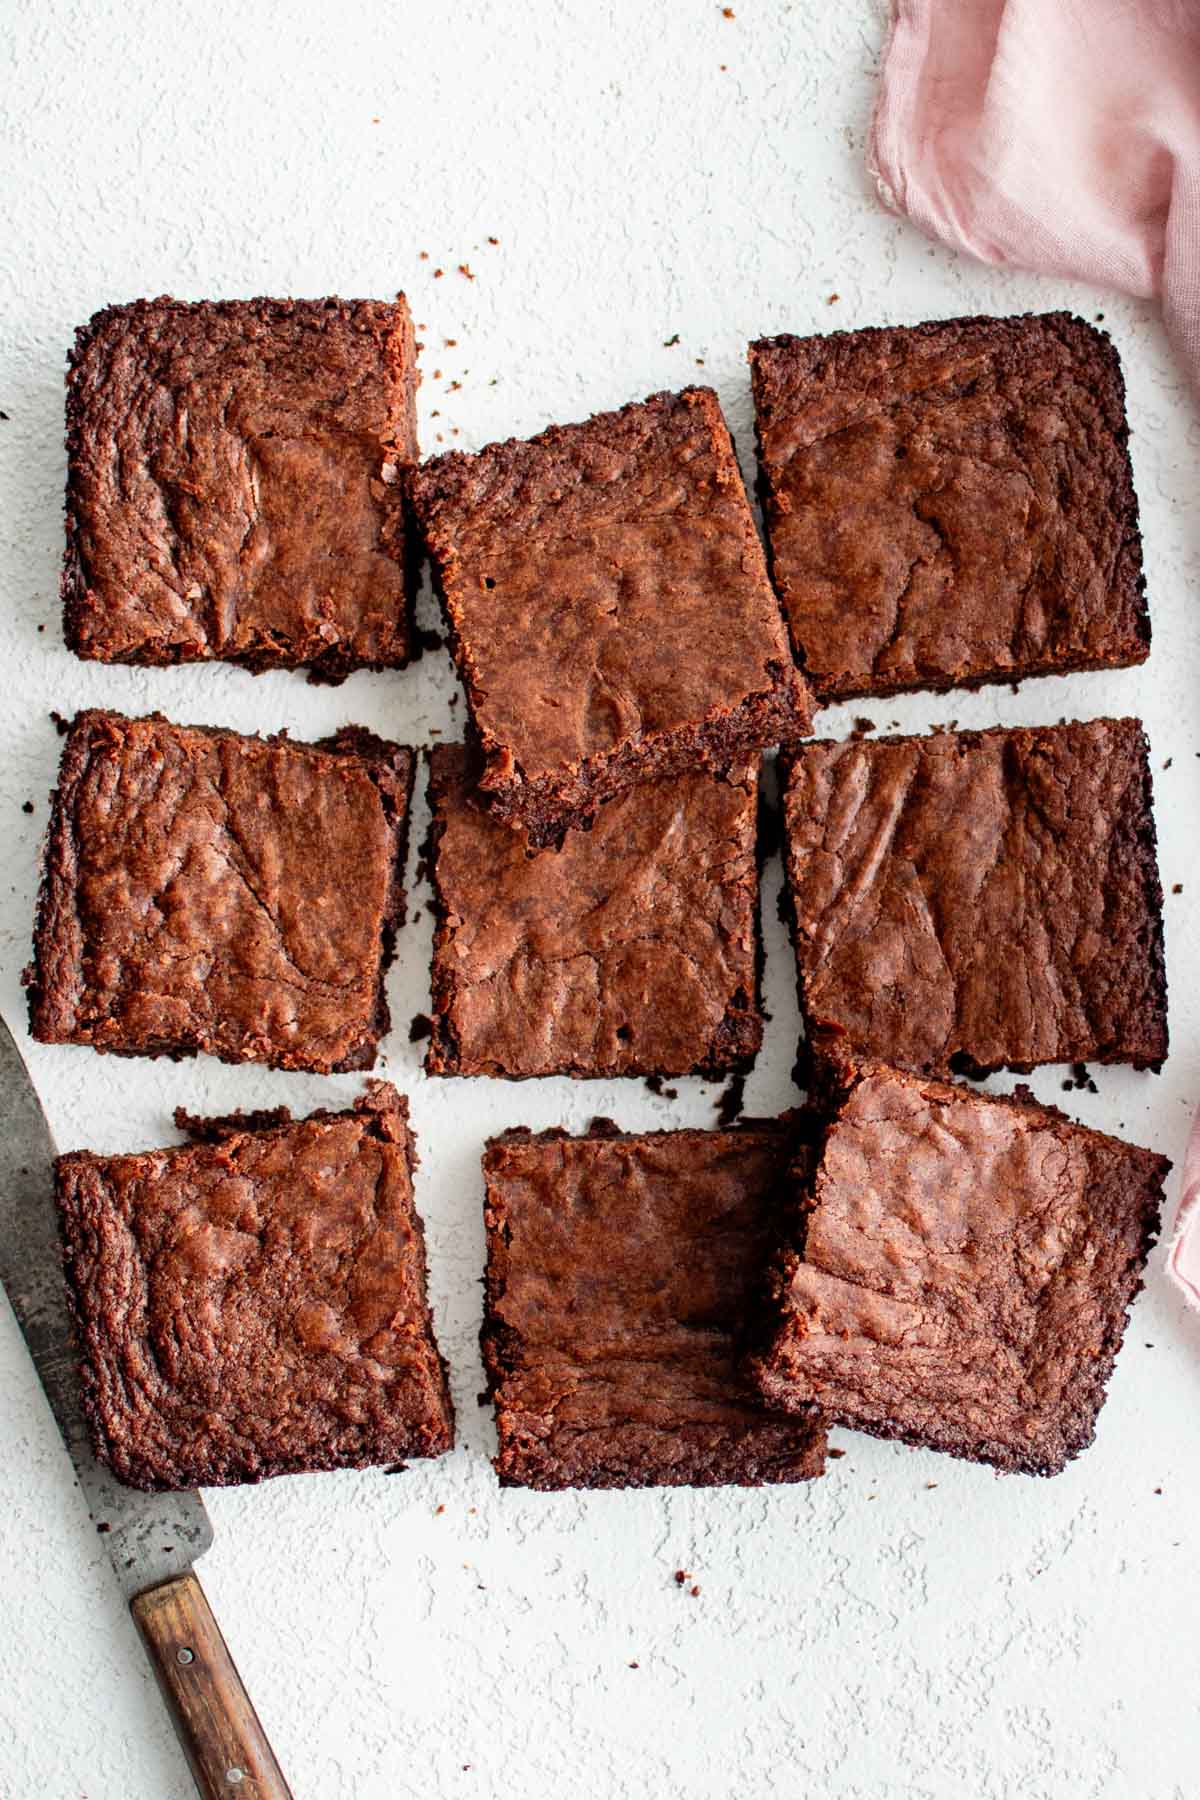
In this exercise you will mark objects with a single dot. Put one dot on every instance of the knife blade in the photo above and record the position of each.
(152, 1539)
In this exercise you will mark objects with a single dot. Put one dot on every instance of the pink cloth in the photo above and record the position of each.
(1056, 135)
(1183, 1258)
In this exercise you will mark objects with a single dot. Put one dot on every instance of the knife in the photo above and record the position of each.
(153, 1539)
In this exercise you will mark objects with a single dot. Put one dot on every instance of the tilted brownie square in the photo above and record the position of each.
(978, 900)
(233, 484)
(619, 1271)
(950, 503)
(962, 1270)
(633, 950)
(204, 891)
(609, 608)
(254, 1303)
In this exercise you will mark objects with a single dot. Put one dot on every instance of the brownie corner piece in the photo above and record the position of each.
(635, 949)
(609, 608)
(962, 1269)
(971, 901)
(619, 1271)
(208, 891)
(234, 484)
(950, 503)
(243, 1313)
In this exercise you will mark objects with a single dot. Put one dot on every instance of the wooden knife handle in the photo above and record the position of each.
(218, 1727)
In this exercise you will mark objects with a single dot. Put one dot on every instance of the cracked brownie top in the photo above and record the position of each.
(254, 1304)
(208, 891)
(618, 1272)
(232, 487)
(950, 503)
(969, 901)
(962, 1271)
(631, 951)
(609, 604)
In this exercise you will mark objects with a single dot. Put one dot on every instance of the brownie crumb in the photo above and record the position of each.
(656, 1085)
(836, 1454)
(102, 1525)
(727, 12)
(438, 1511)
(493, 240)
(694, 1590)
(1082, 1080)
(862, 726)
(733, 1098)
(1177, 889)
(27, 806)
(465, 269)
(833, 299)
(1168, 762)
(633, 1665)
(670, 343)
(61, 725)
(397, 1469)
(420, 1028)
(682, 1576)
(602, 1127)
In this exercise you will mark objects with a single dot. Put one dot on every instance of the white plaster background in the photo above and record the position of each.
(909, 1626)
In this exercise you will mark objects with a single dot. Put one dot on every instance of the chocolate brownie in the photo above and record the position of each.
(618, 1273)
(207, 891)
(962, 1269)
(233, 484)
(633, 950)
(254, 1303)
(977, 900)
(609, 608)
(951, 503)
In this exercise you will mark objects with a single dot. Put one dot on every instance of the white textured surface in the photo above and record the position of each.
(875, 1635)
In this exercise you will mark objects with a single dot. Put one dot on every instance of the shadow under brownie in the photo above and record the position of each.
(233, 484)
(609, 608)
(253, 1304)
(950, 503)
(205, 891)
(962, 1271)
(971, 901)
(618, 1275)
(632, 950)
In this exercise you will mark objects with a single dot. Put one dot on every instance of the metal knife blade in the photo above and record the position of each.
(150, 1537)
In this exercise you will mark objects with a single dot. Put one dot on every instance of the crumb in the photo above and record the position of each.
(694, 1590)
(465, 269)
(493, 240)
(727, 12)
(633, 1665)
(438, 1511)
(862, 726)
(451, 343)
(1168, 762)
(415, 918)
(102, 1525)
(438, 273)
(699, 362)
(436, 413)
(375, 121)
(1158, 1490)
(656, 1086)
(1149, 1346)
(396, 1469)
(61, 725)
(682, 1576)
(420, 1028)
(454, 387)
(931, 1484)
(494, 382)
(729, 1106)
(833, 299)
(453, 701)
(1178, 888)
(1099, 318)
(836, 1454)
(27, 806)
(4, 416)
(670, 343)
(424, 255)
(438, 438)
(437, 374)
(724, 68)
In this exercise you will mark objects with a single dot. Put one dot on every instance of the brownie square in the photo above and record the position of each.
(618, 1274)
(254, 1303)
(633, 950)
(207, 891)
(962, 1272)
(232, 484)
(609, 608)
(951, 503)
(977, 900)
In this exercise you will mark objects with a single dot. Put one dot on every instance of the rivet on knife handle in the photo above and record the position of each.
(218, 1727)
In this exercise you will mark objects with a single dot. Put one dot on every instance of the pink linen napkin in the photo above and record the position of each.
(1183, 1258)
(1056, 135)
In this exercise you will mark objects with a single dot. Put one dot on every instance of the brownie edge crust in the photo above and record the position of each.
(253, 1303)
(962, 1269)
